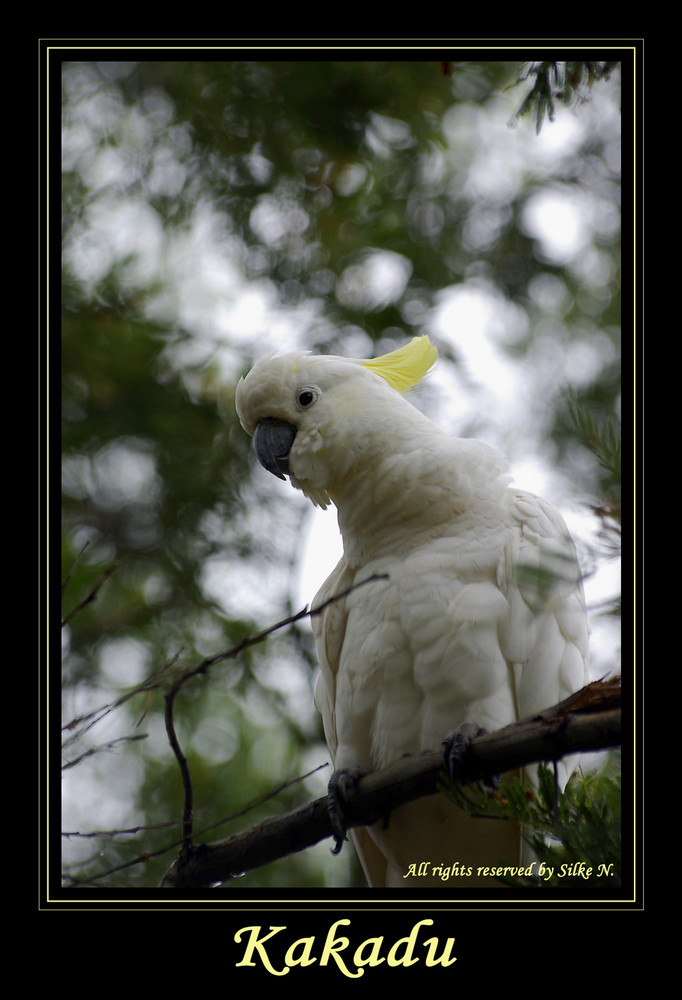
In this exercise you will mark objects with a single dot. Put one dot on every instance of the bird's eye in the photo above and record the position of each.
(306, 396)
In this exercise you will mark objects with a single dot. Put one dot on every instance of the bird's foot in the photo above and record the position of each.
(342, 788)
(455, 749)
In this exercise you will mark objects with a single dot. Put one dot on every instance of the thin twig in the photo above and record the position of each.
(252, 640)
(89, 597)
(104, 746)
(74, 565)
(91, 718)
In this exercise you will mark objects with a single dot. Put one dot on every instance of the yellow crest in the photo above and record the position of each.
(406, 366)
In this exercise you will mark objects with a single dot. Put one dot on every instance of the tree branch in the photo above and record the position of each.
(587, 721)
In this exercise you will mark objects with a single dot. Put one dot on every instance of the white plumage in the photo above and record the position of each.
(482, 617)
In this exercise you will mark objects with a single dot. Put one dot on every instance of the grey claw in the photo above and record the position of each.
(455, 748)
(340, 791)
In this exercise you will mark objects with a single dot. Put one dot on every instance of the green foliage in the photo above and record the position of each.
(601, 436)
(565, 82)
(580, 825)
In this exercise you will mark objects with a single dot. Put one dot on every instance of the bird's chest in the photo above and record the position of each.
(420, 654)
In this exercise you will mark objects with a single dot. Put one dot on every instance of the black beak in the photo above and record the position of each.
(272, 441)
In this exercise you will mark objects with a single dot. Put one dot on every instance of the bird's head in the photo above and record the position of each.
(316, 418)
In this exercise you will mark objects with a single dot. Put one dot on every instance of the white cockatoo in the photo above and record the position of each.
(481, 618)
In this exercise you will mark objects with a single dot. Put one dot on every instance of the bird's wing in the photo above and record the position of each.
(546, 635)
